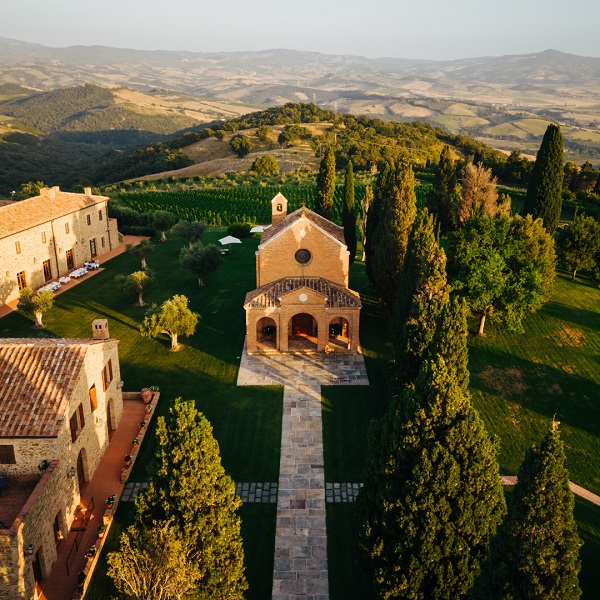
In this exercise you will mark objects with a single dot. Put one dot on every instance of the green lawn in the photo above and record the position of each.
(518, 383)
(246, 421)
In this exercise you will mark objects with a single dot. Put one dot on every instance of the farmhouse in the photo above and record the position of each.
(48, 236)
(302, 301)
(60, 401)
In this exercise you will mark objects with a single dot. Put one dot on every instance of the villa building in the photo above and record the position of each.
(302, 301)
(60, 399)
(46, 237)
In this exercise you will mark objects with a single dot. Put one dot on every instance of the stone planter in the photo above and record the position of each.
(146, 395)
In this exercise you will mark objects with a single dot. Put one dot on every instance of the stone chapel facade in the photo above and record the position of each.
(302, 301)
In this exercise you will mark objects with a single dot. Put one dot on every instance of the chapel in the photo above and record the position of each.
(302, 302)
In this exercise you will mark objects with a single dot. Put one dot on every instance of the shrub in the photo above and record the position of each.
(240, 230)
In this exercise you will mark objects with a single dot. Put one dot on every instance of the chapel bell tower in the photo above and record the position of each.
(278, 208)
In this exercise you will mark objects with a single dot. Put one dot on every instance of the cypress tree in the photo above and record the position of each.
(391, 234)
(325, 184)
(432, 496)
(445, 187)
(536, 552)
(544, 192)
(422, 292)
(189, 487)
(349, 212)
(382, 189)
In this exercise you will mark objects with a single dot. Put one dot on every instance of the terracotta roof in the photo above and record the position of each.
(37, 378)
(6, 202)
(270, 294)
(331, 228)
(50, 204)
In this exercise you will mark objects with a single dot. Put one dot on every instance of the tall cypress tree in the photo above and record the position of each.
(422, 293)
(391, 234)
(189, 487)
(544, 193)
(349, 212)
(325, 184)
(432, 496)
(445, 187)
(536, 551)
(382, 190)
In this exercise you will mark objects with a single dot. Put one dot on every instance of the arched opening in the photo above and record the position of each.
(302, 332)
(82, 475)
(339, 333)
(110, 416)
(266, 334)
(59, 528)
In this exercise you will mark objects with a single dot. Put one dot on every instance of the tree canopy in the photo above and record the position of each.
(200, 260)
(136, 283)
(161, 221)
(241, 145)
(544, 192)
(479, 194)
(190, 231)
(578, 244)
(173, 317)
(36, 304)
(432, 496)
(503, 267)
(445, 191)
(141, 250)
(189, 487)
(265, 165)
(349, 213)
(536, 551)
(325, 184)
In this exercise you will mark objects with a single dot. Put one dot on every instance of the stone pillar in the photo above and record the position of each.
(251, 320)
(323, 333)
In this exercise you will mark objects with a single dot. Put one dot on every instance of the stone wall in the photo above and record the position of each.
(275, 259)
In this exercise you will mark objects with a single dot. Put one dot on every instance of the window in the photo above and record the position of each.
(47, 270)
(70, 260)
(107, 374)
(7, 454)
(67, 228)
(99, 215)
(43, 237)
(18, 247)
(77, 422)
(89, 219)
(21, 281)
(303, 256)
(93, 250)
(93, 397)
(102, 241)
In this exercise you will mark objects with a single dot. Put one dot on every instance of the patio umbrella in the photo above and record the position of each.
(257, 229)
(229, 239)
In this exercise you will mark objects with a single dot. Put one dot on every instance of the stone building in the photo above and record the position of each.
(60, 401)
(47, 236)
(302, 301)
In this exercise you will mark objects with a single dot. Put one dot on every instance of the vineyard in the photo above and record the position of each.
(223, 206)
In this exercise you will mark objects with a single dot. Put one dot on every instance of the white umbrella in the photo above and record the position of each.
(257, 229)
(229, 239)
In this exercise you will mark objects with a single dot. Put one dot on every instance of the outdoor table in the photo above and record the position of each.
(64, 279)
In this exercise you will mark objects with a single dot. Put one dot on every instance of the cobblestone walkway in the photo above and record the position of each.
(131, 490)
(264, 492)
(300, 569)
(342, 492)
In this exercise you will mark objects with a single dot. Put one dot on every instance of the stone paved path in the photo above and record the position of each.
(300, 569)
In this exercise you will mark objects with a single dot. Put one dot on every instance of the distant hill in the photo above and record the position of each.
(59, 136)
(504, 101)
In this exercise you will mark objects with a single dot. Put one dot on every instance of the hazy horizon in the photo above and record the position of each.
(381, 29)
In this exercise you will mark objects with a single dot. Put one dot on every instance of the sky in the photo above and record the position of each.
(429, 29)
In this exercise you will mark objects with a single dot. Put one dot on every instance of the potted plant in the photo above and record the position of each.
(142, 424)
(148, 407)
(127, 459)
(44, 465)
(110, 501)
(101, 530)
(153, 388)
(80, 580)
(91, 552)
(135, 441)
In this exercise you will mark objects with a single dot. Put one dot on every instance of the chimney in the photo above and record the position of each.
(87, 191)
(278, 208)
(100, 329)
(48, 192)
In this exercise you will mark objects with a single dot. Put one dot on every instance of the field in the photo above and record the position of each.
(222, 206)
(518, 383)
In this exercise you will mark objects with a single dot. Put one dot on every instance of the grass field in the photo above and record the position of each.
(518, 382)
